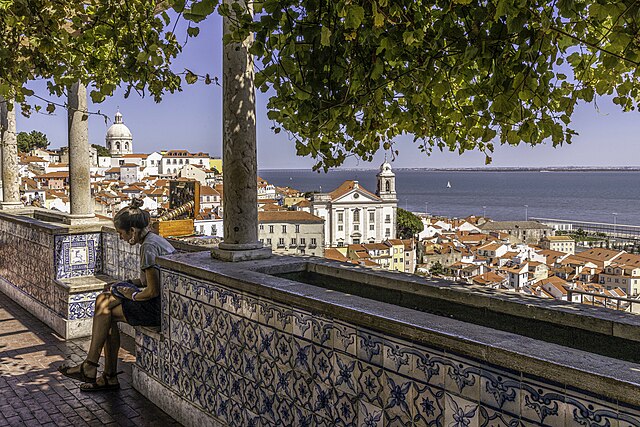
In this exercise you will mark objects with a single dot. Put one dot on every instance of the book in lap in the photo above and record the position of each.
(115, 291)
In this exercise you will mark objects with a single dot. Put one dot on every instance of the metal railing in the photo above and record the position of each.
(605, 300)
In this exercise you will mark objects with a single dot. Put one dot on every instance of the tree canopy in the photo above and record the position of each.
(29, 141)
(408, 224)
(349, 76)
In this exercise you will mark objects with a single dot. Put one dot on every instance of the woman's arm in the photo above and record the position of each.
(153, 285)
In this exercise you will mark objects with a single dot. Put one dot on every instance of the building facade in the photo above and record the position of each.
(291, 232)
(354, 215)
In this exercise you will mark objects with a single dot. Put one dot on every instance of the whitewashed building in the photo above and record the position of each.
(354, 215)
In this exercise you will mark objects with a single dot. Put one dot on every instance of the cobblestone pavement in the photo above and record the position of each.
(33, 393)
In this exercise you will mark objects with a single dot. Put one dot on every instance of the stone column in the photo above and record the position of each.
(79, 158)
(240, 159)
(10, 176)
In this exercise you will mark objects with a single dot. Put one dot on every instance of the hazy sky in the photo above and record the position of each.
(192, 120)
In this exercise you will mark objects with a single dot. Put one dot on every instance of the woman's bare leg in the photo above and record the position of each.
(108, 310)
(111, 348)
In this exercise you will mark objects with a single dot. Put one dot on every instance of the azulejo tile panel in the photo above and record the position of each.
(78, 255)
(252, 361)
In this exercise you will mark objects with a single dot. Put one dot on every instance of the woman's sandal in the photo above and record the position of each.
(80, 375)
(105, 386)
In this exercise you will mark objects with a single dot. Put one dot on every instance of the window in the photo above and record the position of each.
(214, 230)
(387, 218)
(284, 228)
(262, 242)
(372, 227)
(313, 241)
(372, 216)
(271, 229)
(297, 228)
(152, 162)
(340, 217)
(356, 227)
(340, 228)
(340, 244)
(180, 162)
(261, 227)
(175, 161)
(168, 161)
(293, 241)
(387, 186)
(303, 241)
(281, 241)
(356, 215)
(387, 232)
(268, 242)
(356, 241)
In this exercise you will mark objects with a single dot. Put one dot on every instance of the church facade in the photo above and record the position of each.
(119, 140)
(354, 215)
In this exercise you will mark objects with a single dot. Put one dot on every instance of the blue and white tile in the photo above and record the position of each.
(345, 373)
(266, 342)
(491, 418)
(302, 417)
(628, 416)
(302, 357)
(500, 391)
(371, 382)
(323, 363)
(397, 395)
(346, 410)
(265, 405)
(584, 410)
(302, 388)
(250, 367)
(283, 349)
(344, 337)
(542, 403)
(237, 415)
(370, 415)
(284, 381)
(369, 347)
(321, 330)
(462, 378)
(429, 367)
(236, 329)
(428, 405)
(460, 411)
(251, 336)
(398, 356)
(323, 400)
(250, 307)
(302, 324)
(267, 374)
(284, 410)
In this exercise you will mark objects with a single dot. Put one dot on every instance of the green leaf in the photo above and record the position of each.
(325, 36)
(355, 15)
(193, 31)
(190, 77)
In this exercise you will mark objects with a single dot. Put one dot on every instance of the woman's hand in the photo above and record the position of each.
(126, 291)
(107, 286)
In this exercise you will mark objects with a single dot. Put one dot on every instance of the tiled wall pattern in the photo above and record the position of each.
(120, 260)
(78, 255)
(250, 361)
(27, 262)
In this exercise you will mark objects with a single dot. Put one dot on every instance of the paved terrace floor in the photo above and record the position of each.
(33, 393)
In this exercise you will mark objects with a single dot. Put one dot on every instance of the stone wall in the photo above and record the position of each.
(233, 357)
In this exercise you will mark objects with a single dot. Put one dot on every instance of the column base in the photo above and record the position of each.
(11, 205)
(240, 255)
(78, 219)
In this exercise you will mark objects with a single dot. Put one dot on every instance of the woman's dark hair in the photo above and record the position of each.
(132, 216)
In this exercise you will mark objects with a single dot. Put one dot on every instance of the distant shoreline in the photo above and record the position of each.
(492, 169)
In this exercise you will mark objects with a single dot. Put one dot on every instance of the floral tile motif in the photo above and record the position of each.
(428, 405)
(345, 373)
(346, 410)
(462, 378)
(284, 410)
(321, 330)
(628, 416)
(302, 357)
(265, 405)
(323, 399)
(369, 415)
(236, 415)
(284, 381)
(250, 367)
(460, 412)
(500, 391)
(251, 336)
(542, 403)
(370, 383)
(398, 395)
(266, 342)
(301, 324)
(302, 417)
(323, 364)
(282, 348)
(78, 255)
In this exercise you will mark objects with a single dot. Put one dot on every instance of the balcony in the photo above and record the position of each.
(295, 341)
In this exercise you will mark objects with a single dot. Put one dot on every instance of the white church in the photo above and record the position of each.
(354, 215)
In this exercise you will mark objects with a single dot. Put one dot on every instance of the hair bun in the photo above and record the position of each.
(136, 203)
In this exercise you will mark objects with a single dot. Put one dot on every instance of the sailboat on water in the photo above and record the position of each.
(448, 184)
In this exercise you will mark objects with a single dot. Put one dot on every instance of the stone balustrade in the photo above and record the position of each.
(244, 344)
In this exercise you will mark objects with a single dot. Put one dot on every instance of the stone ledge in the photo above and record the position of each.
(177, 406)
(599, 374)
(84, 284)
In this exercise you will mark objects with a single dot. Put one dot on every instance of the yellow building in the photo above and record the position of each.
(215, 164)
(559, 243)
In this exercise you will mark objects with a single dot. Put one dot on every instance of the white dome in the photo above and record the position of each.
(118, 129)
(385, 169)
